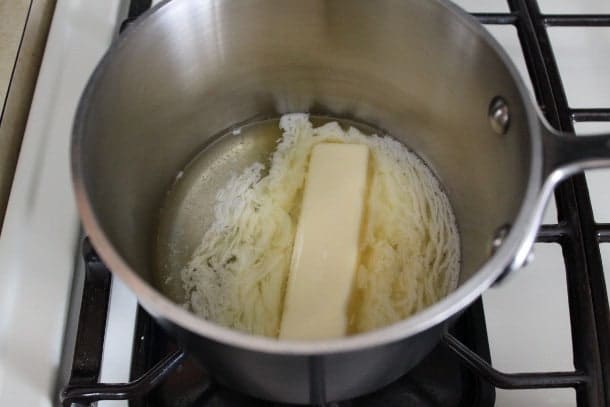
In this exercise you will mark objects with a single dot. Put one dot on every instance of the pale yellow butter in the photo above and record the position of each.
(326, 246)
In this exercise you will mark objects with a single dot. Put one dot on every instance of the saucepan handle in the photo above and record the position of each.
(564, 155)
(567, 154)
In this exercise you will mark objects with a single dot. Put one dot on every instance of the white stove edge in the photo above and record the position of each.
(40, 232)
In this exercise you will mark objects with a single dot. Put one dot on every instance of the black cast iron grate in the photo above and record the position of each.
(163, 375)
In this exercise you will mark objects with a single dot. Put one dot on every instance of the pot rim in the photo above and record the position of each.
(516, 245)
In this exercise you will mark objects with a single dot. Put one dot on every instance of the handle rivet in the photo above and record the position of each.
(499, 116)
(499, 237)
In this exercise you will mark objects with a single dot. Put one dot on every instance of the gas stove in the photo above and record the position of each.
(540, 338)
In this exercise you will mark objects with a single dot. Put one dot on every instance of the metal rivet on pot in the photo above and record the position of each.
(499, 116)
(499, 237)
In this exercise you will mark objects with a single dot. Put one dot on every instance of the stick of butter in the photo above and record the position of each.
(326, 245)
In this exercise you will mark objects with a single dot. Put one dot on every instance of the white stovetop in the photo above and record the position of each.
(527, 317)
(39, 236)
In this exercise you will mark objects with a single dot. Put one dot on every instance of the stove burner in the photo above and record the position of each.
(439, 380)
(164, 376)
(457, 372)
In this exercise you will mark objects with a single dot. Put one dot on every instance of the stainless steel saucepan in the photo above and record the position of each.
(424, 71)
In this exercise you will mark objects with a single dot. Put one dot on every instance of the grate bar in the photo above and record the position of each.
(587, 297)
(91, 329)
(552, 233)
(544, 380)
(136, 8)
(603, 232)
(90, 393)
(496, 18)
(577, 20)
(591, 115)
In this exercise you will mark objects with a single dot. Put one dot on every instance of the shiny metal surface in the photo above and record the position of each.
(307, 378)
(424, 72)
(499, 237)
(499, 115)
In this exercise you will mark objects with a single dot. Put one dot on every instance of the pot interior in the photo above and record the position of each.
(193, 70)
